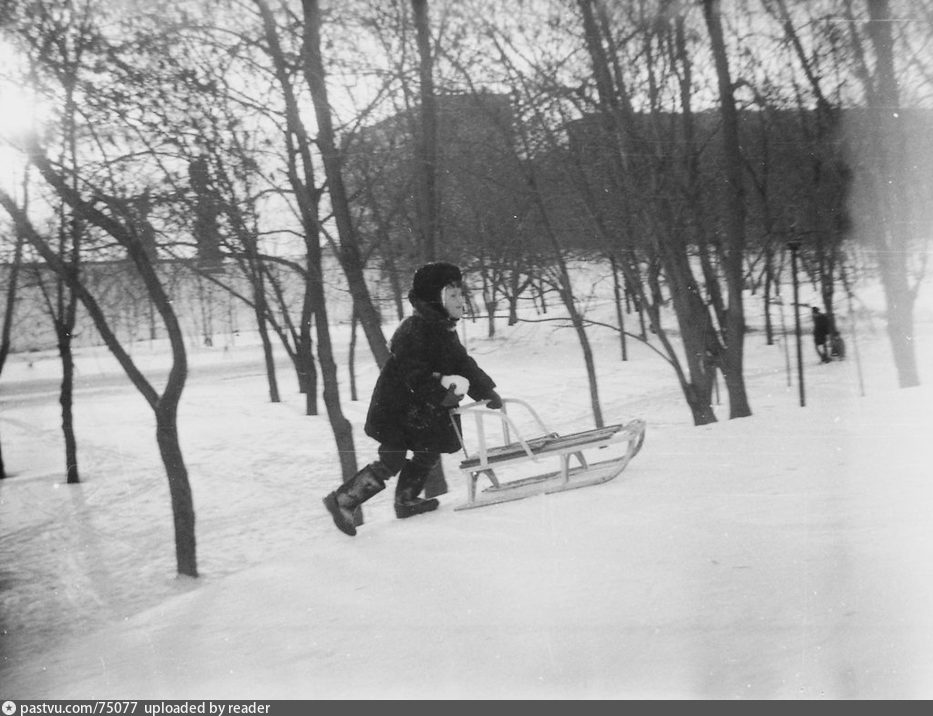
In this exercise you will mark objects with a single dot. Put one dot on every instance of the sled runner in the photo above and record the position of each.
(562, 449)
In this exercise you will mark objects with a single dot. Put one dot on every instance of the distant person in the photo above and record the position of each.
(427, 374)
(821, 333)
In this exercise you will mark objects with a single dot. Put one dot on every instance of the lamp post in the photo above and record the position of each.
(794, 246)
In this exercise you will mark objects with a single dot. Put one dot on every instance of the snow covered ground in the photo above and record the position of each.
(783, 556)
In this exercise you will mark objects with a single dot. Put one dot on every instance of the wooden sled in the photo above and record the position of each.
(563, 449)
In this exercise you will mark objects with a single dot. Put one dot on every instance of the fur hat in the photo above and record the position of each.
(430, 279)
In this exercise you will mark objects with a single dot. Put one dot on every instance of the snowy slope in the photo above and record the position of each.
(787, 555)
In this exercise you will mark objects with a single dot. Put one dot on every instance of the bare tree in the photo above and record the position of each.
(229, 142)
(892, 225)
(650, 230)
(101, 201)
(349, 254)
(58, 44)
(427, 135)
(542, 186)
(307, 195)
(9, 309)
(732, 359)
(165, 404)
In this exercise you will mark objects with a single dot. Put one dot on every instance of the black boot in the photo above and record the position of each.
(353, 493)
(410, 483)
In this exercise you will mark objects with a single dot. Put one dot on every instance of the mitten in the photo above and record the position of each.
(451, 400)
(460, 384)
(494, 400)
(457, 387)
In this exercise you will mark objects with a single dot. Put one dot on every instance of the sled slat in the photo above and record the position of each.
(545, 444)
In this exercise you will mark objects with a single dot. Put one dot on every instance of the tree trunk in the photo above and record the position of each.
(343, 430)
(769, 285)
(267, 353)
(66, 399)
(427, 144)
(67, 299)
(490, 307)
(349, 255)
(179, 487)
(733, 352)
(895, 214)
(578, 326)
(351, 356)
(7, 326)
(617, 291)
(307, 370)
(698, 334)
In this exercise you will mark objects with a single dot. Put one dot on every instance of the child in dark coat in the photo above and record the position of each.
(427, 374)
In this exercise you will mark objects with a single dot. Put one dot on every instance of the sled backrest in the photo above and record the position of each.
(484, 451)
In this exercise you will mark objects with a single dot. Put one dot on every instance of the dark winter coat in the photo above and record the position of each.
(821, 327)
(405, 410)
